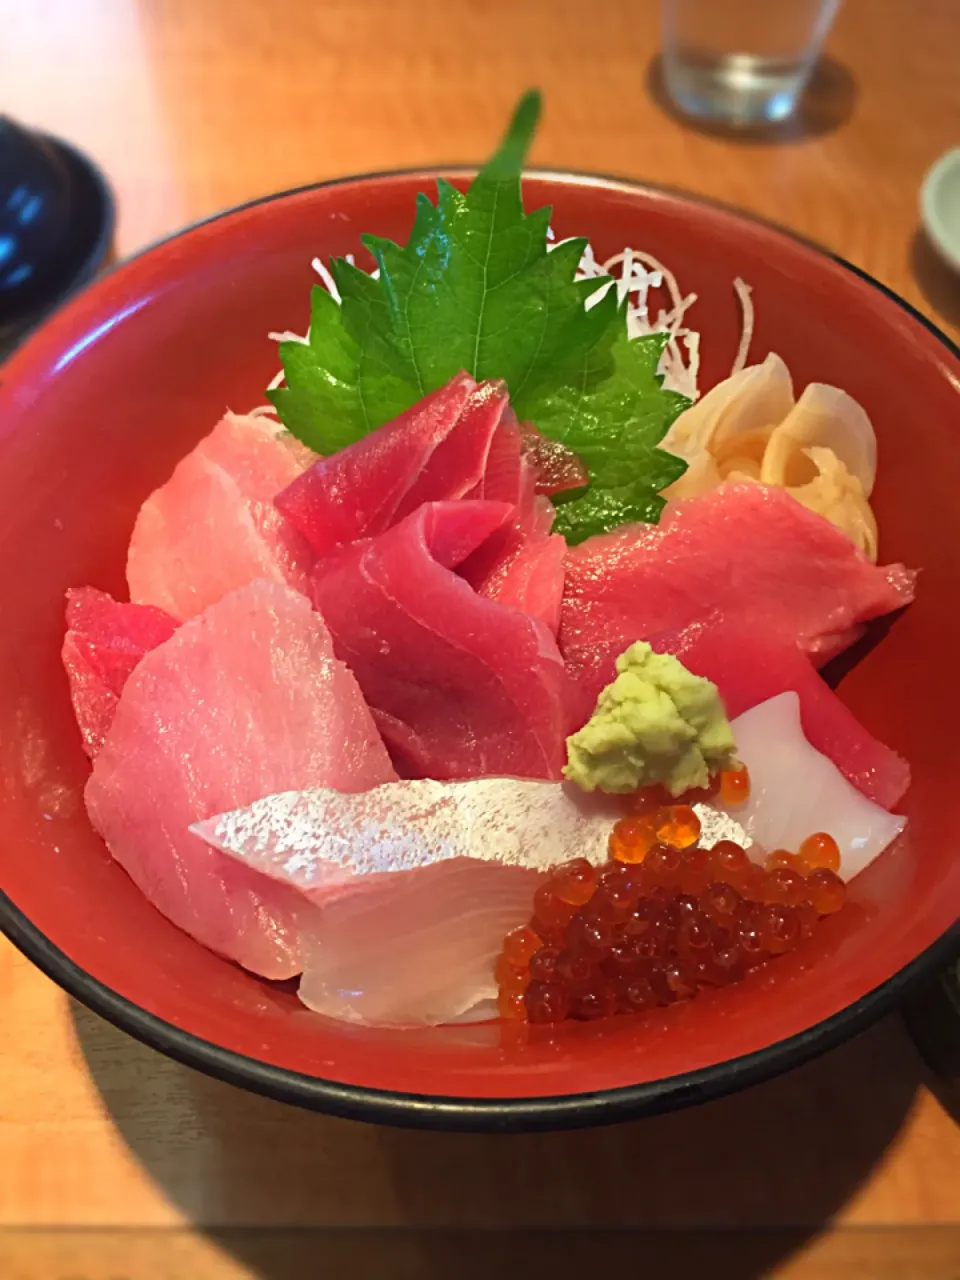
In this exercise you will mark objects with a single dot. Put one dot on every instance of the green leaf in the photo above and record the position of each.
(608, 405)
(478, 288)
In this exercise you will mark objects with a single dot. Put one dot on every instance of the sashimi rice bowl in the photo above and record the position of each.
(518, 691)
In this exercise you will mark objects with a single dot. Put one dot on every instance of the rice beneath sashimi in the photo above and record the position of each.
(484, 680)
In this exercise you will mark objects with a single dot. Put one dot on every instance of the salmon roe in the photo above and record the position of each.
(735, 786)
(662, 920)
(632, 838)
(820, 850)
(678, 826)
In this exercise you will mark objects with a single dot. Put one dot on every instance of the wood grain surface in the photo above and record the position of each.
(115, 1162)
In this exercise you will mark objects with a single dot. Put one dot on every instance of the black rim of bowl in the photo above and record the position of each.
(432, 1111)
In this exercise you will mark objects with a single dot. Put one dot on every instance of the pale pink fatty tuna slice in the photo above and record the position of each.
(749, 669)
(213, 526)
(104, 642)
(461, 686)
(244, 701)
(435, 451)
(743, 552)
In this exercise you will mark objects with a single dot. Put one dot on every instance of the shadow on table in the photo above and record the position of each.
(673, 1191)
(828, 102)
(939, 283)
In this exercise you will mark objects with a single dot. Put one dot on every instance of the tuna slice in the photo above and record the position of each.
(748, 670)
(530, 578)
(435, 451)
(241, 702)
(104, 642)
(461, 686)
(417, 883)
(517, 450)
(522, 564)
(558, 468)
(741, 552)
(213, 527)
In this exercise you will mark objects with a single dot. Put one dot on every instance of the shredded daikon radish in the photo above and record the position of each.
(636, 275)
(287, 335)
(746, 337)
(328, 281)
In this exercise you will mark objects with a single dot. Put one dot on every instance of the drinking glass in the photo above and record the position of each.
(742, 61)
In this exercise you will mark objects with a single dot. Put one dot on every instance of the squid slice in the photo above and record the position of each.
(795, 791)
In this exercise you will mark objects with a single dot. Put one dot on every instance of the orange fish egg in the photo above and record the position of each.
(820, 850)
(546, 1002)
(663, 864)
(520, 945)
(783, 858)
(678, 826)
(574, 882)
(825, 891)
(512, 1005)
(784, 886)
(631, 839)
(696, 870)
(720, 903)
(550, 913)
(509, 978)
(543, 965)
(735, 786)
(779, 929)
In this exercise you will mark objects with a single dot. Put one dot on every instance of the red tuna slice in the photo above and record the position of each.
(507, 475)
(530, 579)
(742, 551)
(748, 669)
(435, 451)
(461, 686)
(243, 701)
(522, 565)
(459, 462)
(519, 446)
(104, 642)
(558, 468)
(213, 527)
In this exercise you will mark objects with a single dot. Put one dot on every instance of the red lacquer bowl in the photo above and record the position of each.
(94, 413)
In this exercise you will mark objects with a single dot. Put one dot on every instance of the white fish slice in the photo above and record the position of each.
(416, 947)
(796, 791)
(320, 840)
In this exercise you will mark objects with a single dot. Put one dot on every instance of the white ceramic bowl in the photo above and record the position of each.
(940, 206)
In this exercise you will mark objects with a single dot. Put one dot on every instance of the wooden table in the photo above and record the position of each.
(117, 1163)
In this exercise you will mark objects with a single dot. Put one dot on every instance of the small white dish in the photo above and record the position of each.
(940, 206)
